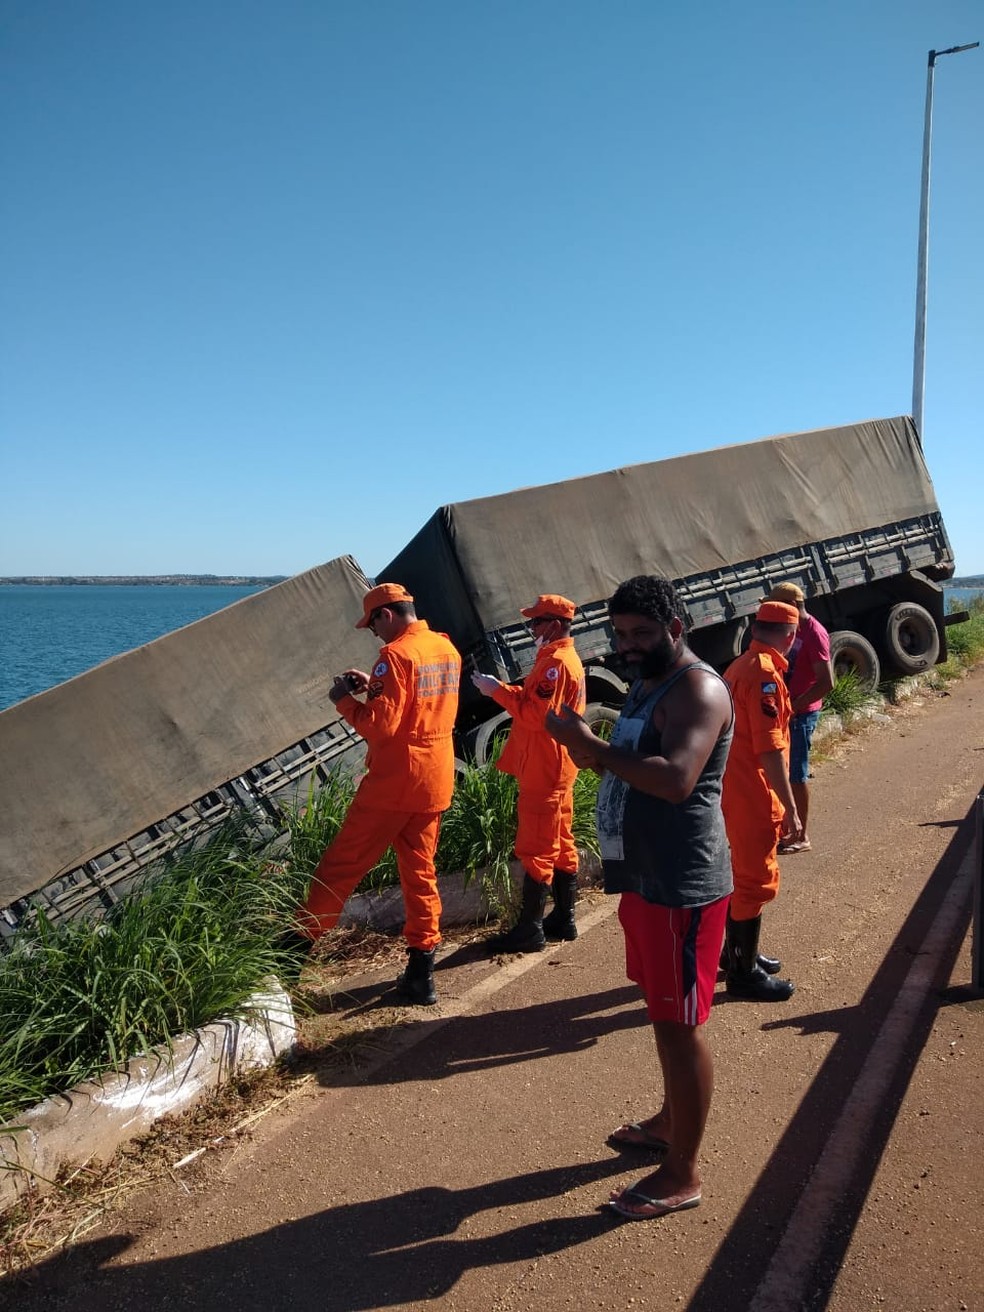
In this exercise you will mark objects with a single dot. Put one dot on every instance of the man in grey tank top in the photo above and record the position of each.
(665, 851)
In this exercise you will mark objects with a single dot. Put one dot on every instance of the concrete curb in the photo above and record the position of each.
(91, 1121)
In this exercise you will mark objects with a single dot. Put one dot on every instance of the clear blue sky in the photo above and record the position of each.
(280, 279)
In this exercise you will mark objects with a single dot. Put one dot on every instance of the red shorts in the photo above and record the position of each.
(673, 954)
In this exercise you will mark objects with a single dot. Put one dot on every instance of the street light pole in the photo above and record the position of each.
(919, 351)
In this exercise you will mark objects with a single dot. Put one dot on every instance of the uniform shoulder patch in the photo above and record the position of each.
(381, 669)
(769, 688)
(553, 674)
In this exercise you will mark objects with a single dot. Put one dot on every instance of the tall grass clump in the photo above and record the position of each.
(85, 996)
(847, 696)
(311, 825)
(585, 799)
(478, 832)
(965, 642)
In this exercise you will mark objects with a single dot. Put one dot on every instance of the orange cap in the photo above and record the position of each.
(550, 605)
(383, 595)
(777, 612)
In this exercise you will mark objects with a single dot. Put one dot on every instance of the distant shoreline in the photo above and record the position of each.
(137, 580)
(238, 580)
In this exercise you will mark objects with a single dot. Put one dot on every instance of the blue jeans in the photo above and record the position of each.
(800, 736)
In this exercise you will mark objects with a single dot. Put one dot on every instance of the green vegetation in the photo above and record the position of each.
(310, 826)
(965, 642)
(479, 830)
(85, 996)
(201, 934)
(847, 696)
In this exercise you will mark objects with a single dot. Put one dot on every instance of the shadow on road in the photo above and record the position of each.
(742, 1260)
(491, 1039)
(398, 1251)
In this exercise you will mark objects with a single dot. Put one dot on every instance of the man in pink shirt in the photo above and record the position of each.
(809, 678)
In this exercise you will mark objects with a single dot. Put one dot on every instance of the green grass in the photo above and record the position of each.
(479, 829)
(585, 798)
(965, 642)
(311, 825)
(85, 996)
(847, 696)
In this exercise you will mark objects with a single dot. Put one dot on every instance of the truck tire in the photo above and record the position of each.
(601, 719)
(483, 746)
(849, 652)
(912, 641)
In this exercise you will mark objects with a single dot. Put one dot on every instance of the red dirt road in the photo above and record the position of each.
(463, 1167)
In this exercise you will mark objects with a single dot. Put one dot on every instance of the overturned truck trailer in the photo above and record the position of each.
(104, 774)
(847, 513)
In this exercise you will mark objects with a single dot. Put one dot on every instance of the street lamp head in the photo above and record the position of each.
(953, 50)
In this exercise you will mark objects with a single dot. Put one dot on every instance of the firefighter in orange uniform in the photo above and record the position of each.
(407, 718)
(757, 800)
(545, 774)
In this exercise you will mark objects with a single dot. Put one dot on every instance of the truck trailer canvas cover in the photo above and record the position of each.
(483, 559)
(96, 759)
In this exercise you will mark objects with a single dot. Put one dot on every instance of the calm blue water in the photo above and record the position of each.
(50, 634)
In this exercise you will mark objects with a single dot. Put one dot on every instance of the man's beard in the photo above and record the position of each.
(653, 664)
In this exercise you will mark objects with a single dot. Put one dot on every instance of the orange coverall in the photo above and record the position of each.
(542, 767)
(753, 814)
(407, 721)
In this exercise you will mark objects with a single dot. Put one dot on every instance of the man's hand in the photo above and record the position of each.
(792, 826)
(347, 683)
(485, 684)
(569, 729)
(572, 732)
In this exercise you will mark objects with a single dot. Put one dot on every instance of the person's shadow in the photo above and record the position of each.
(402, 1250)
(492, 1039)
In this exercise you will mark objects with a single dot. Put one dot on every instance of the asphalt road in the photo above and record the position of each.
(462, 1168)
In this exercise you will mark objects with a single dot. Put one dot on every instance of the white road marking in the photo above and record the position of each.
(786, 1280)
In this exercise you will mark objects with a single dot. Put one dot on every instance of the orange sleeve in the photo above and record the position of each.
(760, 694)
(545, 686)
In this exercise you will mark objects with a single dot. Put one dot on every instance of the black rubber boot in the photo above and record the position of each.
(746, 978)
(771, 965)
(527, 933)
(560, 924)
(416, 984)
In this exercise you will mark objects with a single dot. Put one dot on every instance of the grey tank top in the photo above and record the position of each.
(673, 854)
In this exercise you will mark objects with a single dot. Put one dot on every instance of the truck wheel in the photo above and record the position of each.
(912, 641)
(484, 745)
(850, 653)
(601, 719)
